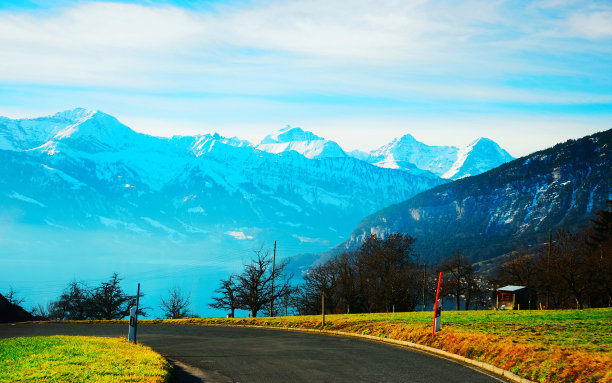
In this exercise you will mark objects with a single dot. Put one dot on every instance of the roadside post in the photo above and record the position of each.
(132, 332)
(437, 309)
(134, 319)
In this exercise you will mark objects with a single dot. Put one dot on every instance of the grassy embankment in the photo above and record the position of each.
(544, 346)
(79, 359)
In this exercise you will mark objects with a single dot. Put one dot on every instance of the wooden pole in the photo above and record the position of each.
(272, 290)
(136, 322)
(424, 282)
(548, 271)
(323, 308)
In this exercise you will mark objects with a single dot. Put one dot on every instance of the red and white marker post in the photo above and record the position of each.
(437, 309)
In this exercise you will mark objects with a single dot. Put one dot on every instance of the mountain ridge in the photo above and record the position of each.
(517, 202)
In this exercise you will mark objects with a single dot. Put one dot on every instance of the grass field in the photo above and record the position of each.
(544, 346)
(79, 359)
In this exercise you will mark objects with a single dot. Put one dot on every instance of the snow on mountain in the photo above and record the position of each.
(29, 133)
(300, 141)
(90, 171)
(447, 162)
(360, 155)
(92, 132)
(478, 157)
(406, 150)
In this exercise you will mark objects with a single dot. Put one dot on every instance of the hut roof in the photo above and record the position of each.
(511, 288)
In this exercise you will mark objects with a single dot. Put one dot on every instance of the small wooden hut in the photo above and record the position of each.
(516, 298)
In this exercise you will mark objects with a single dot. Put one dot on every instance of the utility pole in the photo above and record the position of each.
(323, 308)
(134, 318)
(548, 270)
(273, 276)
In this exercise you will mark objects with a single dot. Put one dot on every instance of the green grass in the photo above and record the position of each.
(79, 359)
(589, 330)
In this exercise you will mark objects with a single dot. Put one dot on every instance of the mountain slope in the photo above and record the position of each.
(512, 205)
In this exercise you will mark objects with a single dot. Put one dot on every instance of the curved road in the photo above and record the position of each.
(237, 354)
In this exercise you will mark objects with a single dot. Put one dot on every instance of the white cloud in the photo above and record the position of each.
(593, 25)
(271, 47)
(239, 235)
(116, 44)
(247, 70)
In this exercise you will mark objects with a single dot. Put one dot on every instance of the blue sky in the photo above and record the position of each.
(526, 74)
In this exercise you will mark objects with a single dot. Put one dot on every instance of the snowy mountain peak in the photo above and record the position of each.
(96, 124)
(483, 142)
(405, 139)
(75, 115)
(486, 146)
(479, 156)
(408, 154)
(91, 132)
(25, 134)
(289, 134)
(203, 144)
(411, 155)
(306, 143)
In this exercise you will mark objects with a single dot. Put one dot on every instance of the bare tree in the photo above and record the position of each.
(520, 269)
(569, 260)
(12, 297)
(227, 299)
(41, 312)
(460, 278)
(388, 276)
(176, 306)
(319, 280)
(382, 275)
(254, 285)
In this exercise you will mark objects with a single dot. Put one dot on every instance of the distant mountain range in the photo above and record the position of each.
(404, 153)
(85, 170)
(513, 205)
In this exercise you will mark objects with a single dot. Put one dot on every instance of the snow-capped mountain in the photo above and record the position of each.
(84, 170)
(515, 204)
(478, 157)
(447, 162)
(300, 141)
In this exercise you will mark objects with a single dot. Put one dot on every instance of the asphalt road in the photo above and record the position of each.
(236, 354)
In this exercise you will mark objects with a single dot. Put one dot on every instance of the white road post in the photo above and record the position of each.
(132, 332)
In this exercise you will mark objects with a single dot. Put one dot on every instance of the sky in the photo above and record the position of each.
(527, 74)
